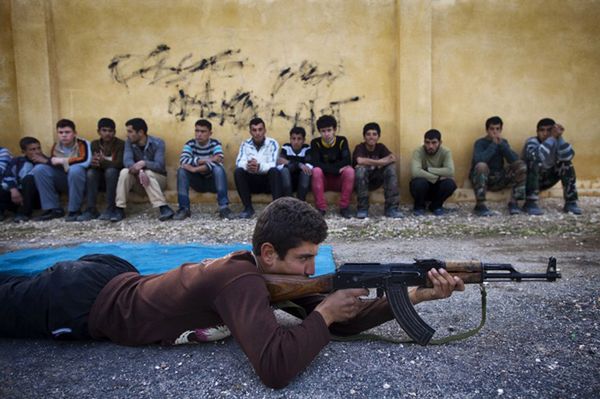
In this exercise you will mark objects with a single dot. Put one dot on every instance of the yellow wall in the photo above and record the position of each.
(410, 65)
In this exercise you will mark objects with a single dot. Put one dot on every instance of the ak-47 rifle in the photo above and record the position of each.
(394, 279)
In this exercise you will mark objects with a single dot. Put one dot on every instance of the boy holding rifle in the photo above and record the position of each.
(226, 296)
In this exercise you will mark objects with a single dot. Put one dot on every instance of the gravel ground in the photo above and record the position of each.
(541, 340)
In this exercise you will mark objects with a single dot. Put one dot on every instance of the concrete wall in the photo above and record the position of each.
(410, 65)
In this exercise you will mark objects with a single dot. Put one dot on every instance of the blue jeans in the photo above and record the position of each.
(109, 183)
(50, 180)
(214, 182)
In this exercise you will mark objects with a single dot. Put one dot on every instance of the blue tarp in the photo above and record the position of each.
(148, 258)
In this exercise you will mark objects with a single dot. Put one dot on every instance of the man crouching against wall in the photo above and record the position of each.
(104, 297)
(144, 161)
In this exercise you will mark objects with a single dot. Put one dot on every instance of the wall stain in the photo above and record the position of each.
(193, 80)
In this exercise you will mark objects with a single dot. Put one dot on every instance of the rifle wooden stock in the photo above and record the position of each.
(283, 287)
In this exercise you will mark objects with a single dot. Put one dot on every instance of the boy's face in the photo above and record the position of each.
(296, 140)
(494, 131)
(544, 132)
(328, 133)
(106, 134)
(66, 135)
(432, 146)
(298, 261)
(203, 133)
(258, 133)
(32, 150)
(132, 135)
(371, 137)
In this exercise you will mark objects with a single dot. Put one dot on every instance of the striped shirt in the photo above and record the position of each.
(5, 158)
(549, 152)
(193, 152)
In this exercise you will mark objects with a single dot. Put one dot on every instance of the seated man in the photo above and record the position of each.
(18, 192)
(64, 172)
(294, 166)
(375, 166)
(432, 170)
(104, 297)
(548, 158)
(201, 167)
(489, 173)
(332, 166)
(256, 167)
(107, 162)
(144, 161)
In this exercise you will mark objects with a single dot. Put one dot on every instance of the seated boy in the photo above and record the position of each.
(549, 159)
(144, 170)
(201, 167)
(293, 161)
(332, 166)
(107, 162)
(375, 166)
(256, 167)
(18, 192)
(64, 172)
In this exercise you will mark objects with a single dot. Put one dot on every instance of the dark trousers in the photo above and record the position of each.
(539, 179)
(29, 192)
(422, 191)
(56, 302)
(295, 180)
(253, 183)
(104, 179)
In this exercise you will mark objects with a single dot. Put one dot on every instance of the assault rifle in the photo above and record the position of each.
(394, 279)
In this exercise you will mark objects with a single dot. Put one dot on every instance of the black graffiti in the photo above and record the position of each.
(195, 96)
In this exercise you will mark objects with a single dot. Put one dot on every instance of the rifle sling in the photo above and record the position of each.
(440, 341)
(375, 337)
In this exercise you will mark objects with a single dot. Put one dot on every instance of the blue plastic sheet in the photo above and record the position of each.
(148, 258)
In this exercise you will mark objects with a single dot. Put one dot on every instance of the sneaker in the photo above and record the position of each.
(117, 215)
(166, 213)
(247, 213)
(482, 210)
(89, 214)
(419, 212)
(50, 214)
(107, 213)
(19, 217)
(439, 212)
(393, 213)
(225, 213)
(346, 213)
(513, 208)
(532, 208)
(571, 207)
(362, 213)
(72, 216)
(182, 213)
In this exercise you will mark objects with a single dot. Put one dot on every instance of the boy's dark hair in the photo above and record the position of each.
(137, 124)
(372, 126)
(107, 123)
(286, 223)
(256, 121)
(326, 121)
(25, 141)
(298, 130)
(204, 123)
(433, 134)
(545, 122)
(494, 120)
(66, 123)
